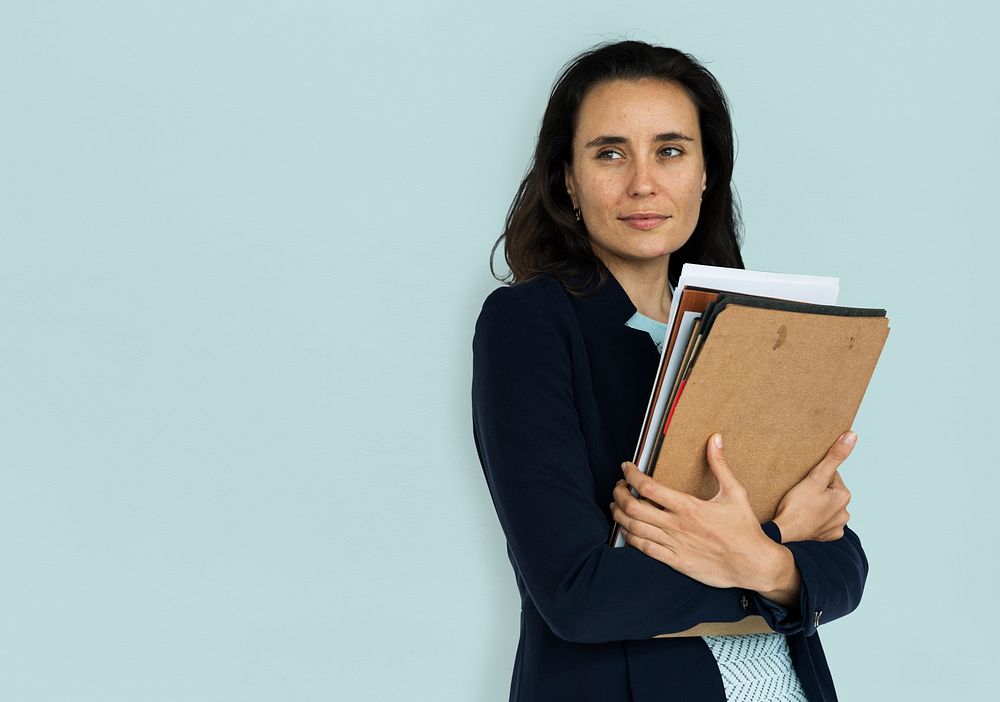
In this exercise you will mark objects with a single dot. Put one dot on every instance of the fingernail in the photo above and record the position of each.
(624, 464)
(849, 438)
(718, 441)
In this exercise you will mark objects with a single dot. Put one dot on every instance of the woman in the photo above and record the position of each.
(630, 179)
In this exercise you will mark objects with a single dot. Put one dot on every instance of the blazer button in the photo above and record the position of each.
(816, 616)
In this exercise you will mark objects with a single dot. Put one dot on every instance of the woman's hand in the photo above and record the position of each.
(815, 508)
(717, 542)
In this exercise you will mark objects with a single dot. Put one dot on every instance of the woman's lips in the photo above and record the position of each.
(644, 221)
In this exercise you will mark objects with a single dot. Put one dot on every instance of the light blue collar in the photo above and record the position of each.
(657, 330)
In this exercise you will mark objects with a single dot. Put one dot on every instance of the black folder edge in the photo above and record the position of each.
(770, 303)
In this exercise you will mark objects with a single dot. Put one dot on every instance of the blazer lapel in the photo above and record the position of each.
(623, 363)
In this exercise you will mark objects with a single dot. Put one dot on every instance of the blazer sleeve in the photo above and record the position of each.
(528, 435)
(833, 580)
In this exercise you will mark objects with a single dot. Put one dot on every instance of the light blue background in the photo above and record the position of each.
(242, 250)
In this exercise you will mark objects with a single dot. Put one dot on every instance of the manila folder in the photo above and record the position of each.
(780, 387)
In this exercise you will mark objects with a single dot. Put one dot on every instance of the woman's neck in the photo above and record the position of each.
(645, 284)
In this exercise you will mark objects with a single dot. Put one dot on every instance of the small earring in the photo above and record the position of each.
(576, 213)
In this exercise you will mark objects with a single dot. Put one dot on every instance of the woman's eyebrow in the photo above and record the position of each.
(608, 140)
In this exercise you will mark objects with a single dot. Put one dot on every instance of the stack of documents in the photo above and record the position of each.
(768, 361)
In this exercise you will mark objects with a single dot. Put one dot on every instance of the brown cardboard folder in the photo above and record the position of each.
(780, 385)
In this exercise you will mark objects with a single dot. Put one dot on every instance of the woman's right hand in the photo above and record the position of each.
(815, 508)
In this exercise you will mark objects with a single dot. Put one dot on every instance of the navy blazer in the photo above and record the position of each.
(559, 392)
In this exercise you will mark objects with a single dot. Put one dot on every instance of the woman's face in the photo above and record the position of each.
(638, 171)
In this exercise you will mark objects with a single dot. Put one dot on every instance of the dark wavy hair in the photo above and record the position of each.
(541, 234)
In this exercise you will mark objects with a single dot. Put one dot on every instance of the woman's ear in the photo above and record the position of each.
(568, 179)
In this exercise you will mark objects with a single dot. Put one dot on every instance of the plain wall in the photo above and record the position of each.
(242, 250)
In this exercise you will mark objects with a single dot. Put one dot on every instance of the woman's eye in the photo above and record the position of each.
(608, 155)
(675, 151)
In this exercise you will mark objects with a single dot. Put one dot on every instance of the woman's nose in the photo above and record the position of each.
(641, 183)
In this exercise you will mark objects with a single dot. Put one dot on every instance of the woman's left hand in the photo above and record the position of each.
(717, 542)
